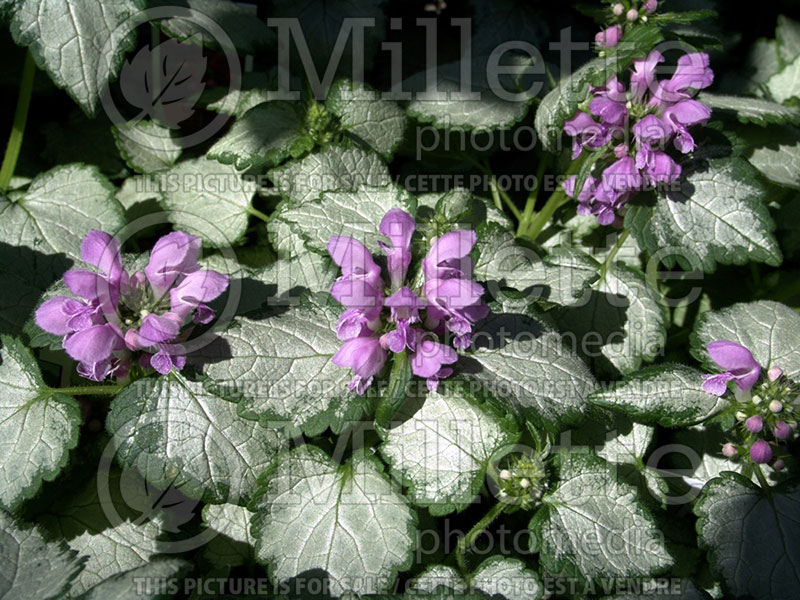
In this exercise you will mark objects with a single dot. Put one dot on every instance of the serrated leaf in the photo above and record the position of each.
(177, 433)
(787, 34)
(507, 578)
(620, 325)
(280, 365)
(356, 214)
(666, 395)
(751, 110)
(753, 537)
(561, 103)
(32, 566)
(91, 522)
(265, 136)
(560, 277)
(58, 209)
(129, 584)
(770, 331)
(461, 110)
(208, 199)
(38, 427)
(367, 117)
(785, 84)
(233, 545)
(442, 451)
(146, 146)
(346, 520)
(497, 577)
(717, 216)
(81, 45)
(775, 152)
(531, 371)
(589, 503)
(335, 169)
(241, 24)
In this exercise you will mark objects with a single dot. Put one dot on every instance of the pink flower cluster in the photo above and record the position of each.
(658, 112)
(116, 314)
(450, 300)
(763, 410)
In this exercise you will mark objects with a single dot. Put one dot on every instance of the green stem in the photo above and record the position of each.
(530, 204)
(18, 128)
(762, 479)
(466, 542)
(506, 198)
(257, 213)
(556, 200)
(614, 251)
(90, 390)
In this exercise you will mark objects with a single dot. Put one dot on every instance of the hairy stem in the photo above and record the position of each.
(18, 128)
(90, 390)
(466, 542)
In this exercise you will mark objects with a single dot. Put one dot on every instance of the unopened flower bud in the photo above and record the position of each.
(505, 474)
(728, 450)
(774, 373)
(650, 6)
(779, 465)
(754, 424)
(761, 452)
(756, 399)
(609, 38)
(632, 15)
(618, 9)
(621, 151)
(775, 406)
(781, 430)
(740, 416)
(524, 484)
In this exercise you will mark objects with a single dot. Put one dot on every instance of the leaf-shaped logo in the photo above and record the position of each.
(165, 81)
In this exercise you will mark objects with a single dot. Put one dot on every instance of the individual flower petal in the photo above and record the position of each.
(172, 256)
(644, 74)
(430, 356)
(609, 111)
(398, 226)
(622, 175)
(449, 255)
(587, 132)
(354, 291)
(92, 344)
(609, 38)
(354, 259)
(432, 383)
(162, 361)
(102, 250)
(738, 361)
(657, 166)
(356, 322)
(397, 340)
(54, 314)
(203, 314)
(651, 131)
(717, 385)
(159, 328)
(404, 304)
(197, 287)
(365, 356)
(692, 72)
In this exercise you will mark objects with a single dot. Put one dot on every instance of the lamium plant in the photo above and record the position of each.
(306, 300)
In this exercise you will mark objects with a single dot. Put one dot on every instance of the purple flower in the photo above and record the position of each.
(760, 452)
(609, 38)
(650, 6)
(739, 362)
(429, 359)
(587, 132)
(643, 76)
(450, 300)
(365, 356)
(398, 226)
(782, 430)
(693, 72)
(729, 450)
(682, 115)
(622, 175)
(754, 424)
(657, 166)
(119, 314)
